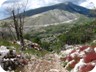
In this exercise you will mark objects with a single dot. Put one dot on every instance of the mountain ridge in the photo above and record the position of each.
(62, 6)
(63, 13)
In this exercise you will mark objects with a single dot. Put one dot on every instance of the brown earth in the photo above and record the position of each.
(49, 63)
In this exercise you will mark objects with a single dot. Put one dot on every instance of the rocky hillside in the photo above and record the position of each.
(56, 14)
(52, 17)
(80, 58)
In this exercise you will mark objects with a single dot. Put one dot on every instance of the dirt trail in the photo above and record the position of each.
(49, 63)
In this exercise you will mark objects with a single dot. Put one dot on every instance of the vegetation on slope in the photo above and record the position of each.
(53, 38)
(80, 34)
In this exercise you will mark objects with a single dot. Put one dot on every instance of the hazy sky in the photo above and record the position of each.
(32, 4)
(39, 3)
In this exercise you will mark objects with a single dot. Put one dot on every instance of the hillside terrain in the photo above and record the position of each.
(57, 38)
(63, 13)
(57, 14)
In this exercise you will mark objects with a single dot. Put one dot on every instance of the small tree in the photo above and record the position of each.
(16, 11)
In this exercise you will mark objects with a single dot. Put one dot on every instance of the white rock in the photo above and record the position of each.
(18, 42)
(1, 69)
(54, 70)
(79, 65)
(3, 50)
(82, 54)
(74, 54)
(93, 70)
(95, 49)
(68, 46)
(94, 41)
(69, 64)
(66, 52)
(3, 47)
(88, 49)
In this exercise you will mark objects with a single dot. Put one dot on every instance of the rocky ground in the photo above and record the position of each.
(49, 63)
(80, 59)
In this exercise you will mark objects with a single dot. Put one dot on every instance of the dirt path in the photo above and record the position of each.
(49, 63)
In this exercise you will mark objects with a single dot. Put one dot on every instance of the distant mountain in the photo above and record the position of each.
(68, 6)
(52, 17)
(56, 14)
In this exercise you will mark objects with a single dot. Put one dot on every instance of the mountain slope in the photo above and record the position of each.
(56, 14)
(68, 6)
(52, 17)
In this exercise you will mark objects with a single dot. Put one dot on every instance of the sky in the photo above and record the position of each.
(32, 4)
